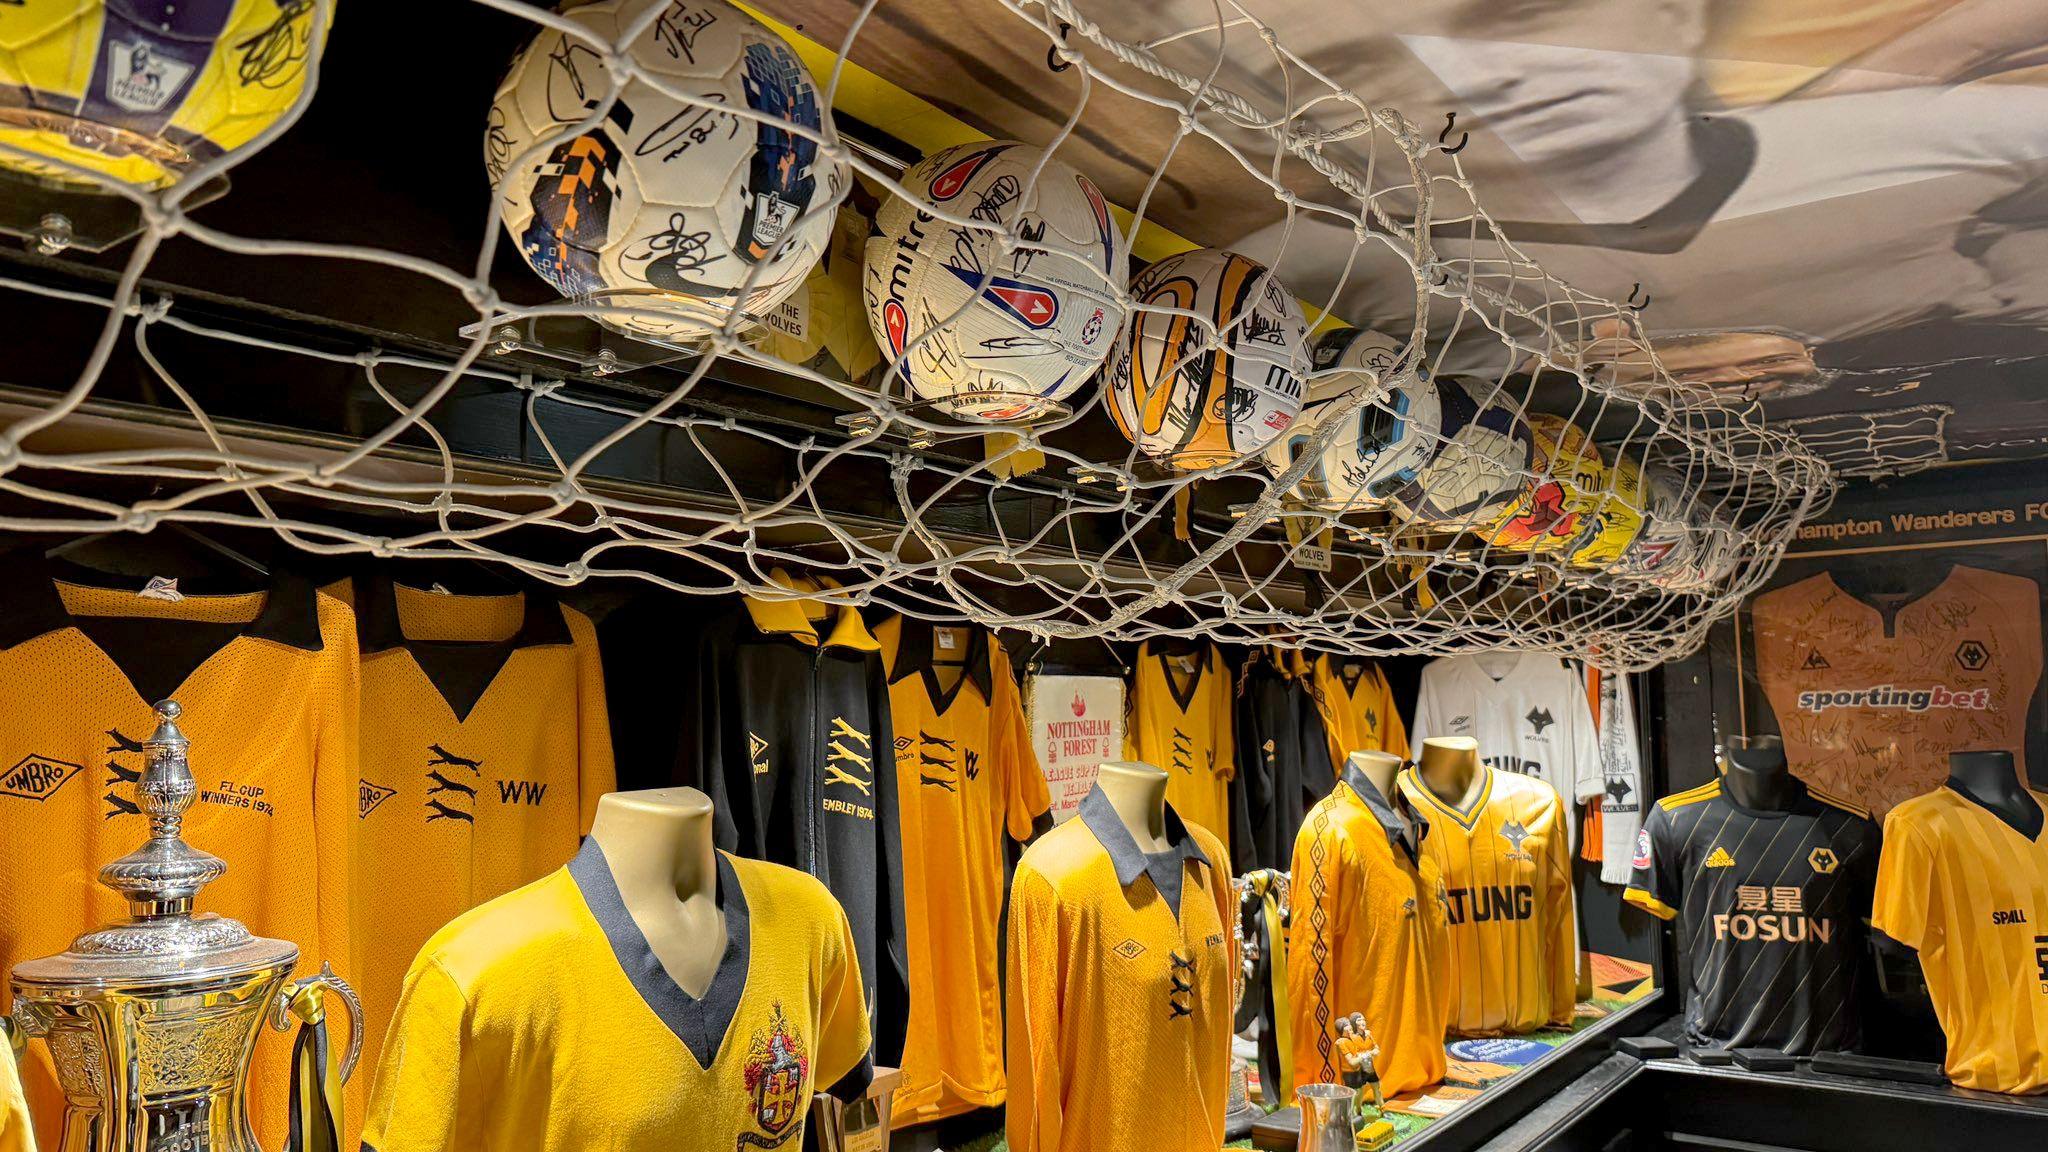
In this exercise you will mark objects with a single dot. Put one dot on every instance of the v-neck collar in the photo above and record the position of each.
(1130, 861)
(1888, 619)
(2040, 812)
(700, 1023)
(179, 648)
(917, 654)
(460, 670)
(1467, 818)
(1184, 699)
(1405, 828)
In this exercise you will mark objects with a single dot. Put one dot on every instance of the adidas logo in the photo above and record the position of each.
(1719, 858)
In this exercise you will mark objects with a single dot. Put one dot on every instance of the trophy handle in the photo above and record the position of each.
(288, 1004)
(22, 1025)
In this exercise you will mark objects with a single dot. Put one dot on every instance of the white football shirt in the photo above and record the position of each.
(1528, 712)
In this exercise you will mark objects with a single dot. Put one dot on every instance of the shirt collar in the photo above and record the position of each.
(777, 616)
(916, 652)
(35, 607)
(1130, 861)
(1404, 826)
(378, 628)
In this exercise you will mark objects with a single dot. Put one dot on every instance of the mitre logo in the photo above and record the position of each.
(37, 777)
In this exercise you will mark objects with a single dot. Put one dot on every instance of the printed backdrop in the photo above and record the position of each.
(1833, 205)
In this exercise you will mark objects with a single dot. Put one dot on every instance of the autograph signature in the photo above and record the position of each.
(270, 57)
(671, 254)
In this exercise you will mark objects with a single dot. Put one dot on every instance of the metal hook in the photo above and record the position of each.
(1631, 304)
(1052, 54)
(1464, 138)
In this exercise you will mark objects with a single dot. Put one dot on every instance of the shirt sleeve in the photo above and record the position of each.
(1564, 931)
(1653, 875)
(1426, 721)
(892, 998)
(427, 1097)
(1034, 1116)
(336, 828)
(844, 1068)
(596, 774)
(1907, 903)
(1317, 898)
(1025, 797)
(1226, 739)
(1589, 779)
(1393, 734)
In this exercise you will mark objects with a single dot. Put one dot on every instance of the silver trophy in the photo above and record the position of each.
(151, 1023)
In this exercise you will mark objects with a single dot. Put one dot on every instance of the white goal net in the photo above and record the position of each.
(892, 500)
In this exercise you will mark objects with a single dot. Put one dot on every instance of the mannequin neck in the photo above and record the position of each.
(1379, 767)
(1449, 767)
(1991, 779)
(1757, 777)
(1138, 793)
(659, 849)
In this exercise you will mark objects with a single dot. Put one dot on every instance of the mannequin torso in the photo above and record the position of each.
(1449, 768)
(1756, 775)
(1138, 793)
(658, 845)
(1991, 780)
(1379, 767)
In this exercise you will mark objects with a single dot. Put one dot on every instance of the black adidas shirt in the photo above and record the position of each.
(1771, 909)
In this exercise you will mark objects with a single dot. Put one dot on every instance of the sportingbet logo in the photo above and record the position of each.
(1887, 698)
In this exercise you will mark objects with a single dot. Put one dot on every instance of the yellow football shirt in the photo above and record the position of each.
(1506, 866)
(1180, 720)
(16, 1133)
(1969, 892)
(268, 685)
(965, 775)
(543, 1022)
(1367, 933)
(1357, 707)
(485, 746)
(1119, 970)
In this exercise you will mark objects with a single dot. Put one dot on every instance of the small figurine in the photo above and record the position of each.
(1356, 1049)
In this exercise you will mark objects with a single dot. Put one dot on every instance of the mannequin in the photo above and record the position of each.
(658, 846)
(1138, 793)
(1379, 767)
(1756, 775)
(1990, 779)
(1449, 768)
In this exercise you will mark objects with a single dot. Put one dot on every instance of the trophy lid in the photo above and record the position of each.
(162, 941)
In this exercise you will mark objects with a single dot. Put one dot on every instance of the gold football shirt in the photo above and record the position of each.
(965, 776)
(1119, 974)
(268, 685)
(485, 746)
(1871, 703)
(1502, 851)
(1969, 892)
(1367, 933)
(1180, 720)
(544, 1022)
(1357, 707)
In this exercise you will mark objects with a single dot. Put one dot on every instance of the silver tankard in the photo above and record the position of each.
(151, 1023)
(1328, 1114)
